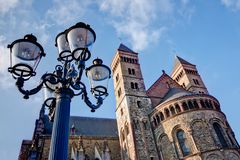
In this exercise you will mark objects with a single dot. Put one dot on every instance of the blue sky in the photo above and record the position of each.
(205, 33)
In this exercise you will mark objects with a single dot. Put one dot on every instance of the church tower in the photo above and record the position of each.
(132, 107)
(186, 74)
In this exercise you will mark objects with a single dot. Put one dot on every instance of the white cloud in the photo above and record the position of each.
(144, 22)
(65, 12)
(232, 4)
(186, 10)
(6, 79)
(140, 36)
(134, 18)
(5, 6)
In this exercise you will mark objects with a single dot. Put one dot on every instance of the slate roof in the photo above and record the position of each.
(88, 126)
(124, 48)
(183, 61)
(178, 61)
(174, 93)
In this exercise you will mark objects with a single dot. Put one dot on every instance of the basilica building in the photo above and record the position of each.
(175, 119)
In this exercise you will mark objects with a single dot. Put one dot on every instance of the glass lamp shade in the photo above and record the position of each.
(98, 75)
(48, 96)
(80, 37)
(25, 54)
(63, 47)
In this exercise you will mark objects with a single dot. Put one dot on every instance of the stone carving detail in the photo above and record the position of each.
(213, 157)
(202, 136)
(167, 148)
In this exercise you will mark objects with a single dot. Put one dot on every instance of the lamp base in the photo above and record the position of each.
(21, 70)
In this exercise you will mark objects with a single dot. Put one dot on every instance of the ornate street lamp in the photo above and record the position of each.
(25, 55)
(65, 81)
(98, 75)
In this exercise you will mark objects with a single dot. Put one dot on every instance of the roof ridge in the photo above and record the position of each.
(159, 78)
(73, 116)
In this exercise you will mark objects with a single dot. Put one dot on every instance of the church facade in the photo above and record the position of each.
(175, 119)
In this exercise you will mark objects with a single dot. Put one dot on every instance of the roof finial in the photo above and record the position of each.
(163, 71)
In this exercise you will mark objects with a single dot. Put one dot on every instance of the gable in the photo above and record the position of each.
(160, 88)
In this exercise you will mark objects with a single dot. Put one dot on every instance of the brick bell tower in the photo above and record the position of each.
(186, 74)
(132, 107)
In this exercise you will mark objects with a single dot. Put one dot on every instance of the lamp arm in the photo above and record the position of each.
(27, 93)
(44, 78)
(89, 103)
(81, 67)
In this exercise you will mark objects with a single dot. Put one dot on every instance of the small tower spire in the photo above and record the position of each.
(42, 112)
(73, 130)
(106, 152)
(80, 149)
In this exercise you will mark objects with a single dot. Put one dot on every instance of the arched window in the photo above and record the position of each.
(190, 105)
(207, 104)
(121, 58)
(117, 77)
(219, 132)
(133, 72)
(185, 106)
(172, 110)
(139, 104)
(129, 71)
(181, 137)
(161, 116)
(119, 92)
(155, 121)
(136, 61)
(177, 107)
(158, 119)
(203, 104)
(121, 111)
(136, 86)
(184, 86)
(210, 104)
(195, 104)
(167, 113)
(217, 106)
(132, 85)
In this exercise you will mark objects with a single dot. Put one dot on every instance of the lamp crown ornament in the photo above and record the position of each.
(97, 61)
(30, 37)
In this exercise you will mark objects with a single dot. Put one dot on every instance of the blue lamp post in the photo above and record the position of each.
(65, 82)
